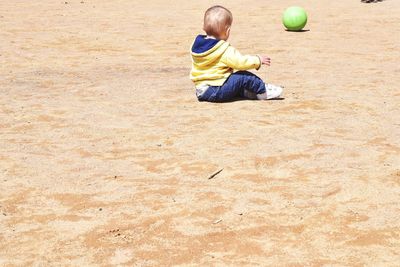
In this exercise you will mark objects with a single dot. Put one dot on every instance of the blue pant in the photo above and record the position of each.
(234, 87)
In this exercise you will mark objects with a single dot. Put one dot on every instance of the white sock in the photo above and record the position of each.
(262, 96)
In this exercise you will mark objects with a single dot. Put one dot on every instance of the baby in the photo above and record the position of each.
(219, 70)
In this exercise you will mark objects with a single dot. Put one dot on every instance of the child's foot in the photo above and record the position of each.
(272, 91)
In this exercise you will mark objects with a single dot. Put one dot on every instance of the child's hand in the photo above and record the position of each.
(265, 60)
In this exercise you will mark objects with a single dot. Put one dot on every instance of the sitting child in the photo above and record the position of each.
(215, 60)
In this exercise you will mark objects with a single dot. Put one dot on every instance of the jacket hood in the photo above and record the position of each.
(202, 44)
(206, 50)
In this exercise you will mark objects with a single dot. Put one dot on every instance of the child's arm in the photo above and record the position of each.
(237, 61)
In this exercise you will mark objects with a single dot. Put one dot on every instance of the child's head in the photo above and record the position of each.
(217, 22)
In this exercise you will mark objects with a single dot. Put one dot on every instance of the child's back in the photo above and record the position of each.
(214, 61)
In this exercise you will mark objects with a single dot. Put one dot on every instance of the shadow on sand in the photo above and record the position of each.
(297, 31)
(371, 1)
(237, 99)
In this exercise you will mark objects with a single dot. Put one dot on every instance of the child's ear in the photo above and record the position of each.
(228, 31)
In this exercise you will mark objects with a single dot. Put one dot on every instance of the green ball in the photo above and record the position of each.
(294, 18)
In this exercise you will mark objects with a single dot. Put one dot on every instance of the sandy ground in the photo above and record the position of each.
(105, 153)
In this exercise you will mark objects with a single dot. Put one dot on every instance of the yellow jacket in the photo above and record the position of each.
(214, 60)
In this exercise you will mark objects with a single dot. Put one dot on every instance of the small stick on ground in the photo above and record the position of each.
(215, 174)
(217, 221)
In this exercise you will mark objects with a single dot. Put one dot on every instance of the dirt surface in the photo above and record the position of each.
(105, 152)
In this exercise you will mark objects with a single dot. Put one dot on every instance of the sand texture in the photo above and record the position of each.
(105, 152)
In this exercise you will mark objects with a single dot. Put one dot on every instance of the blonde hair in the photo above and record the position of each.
(216, 20)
